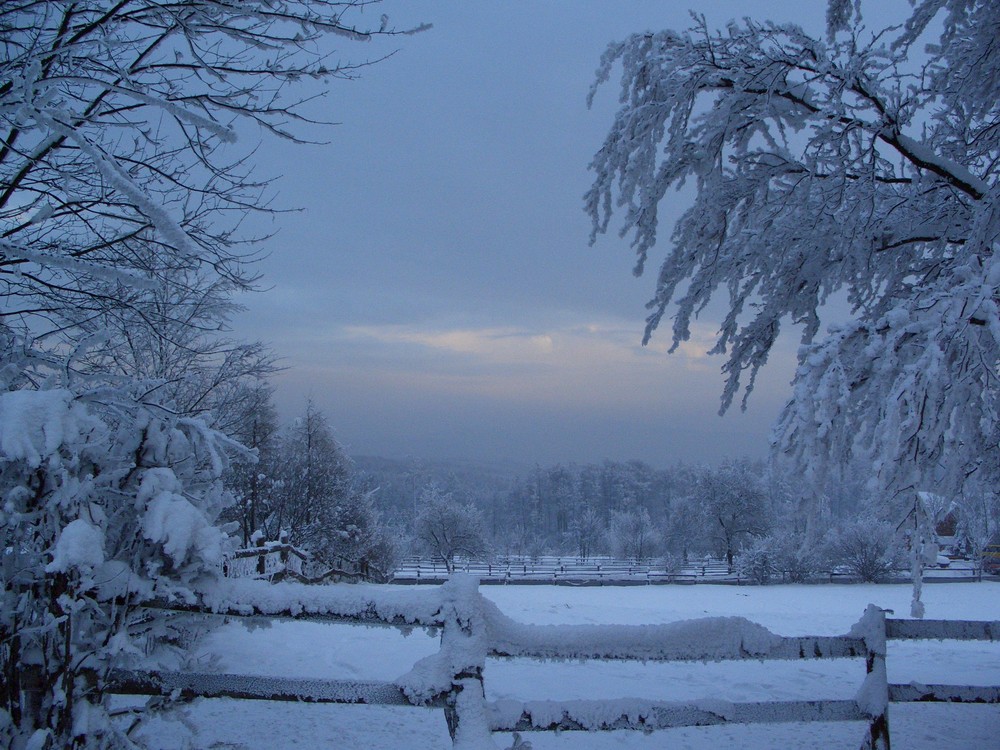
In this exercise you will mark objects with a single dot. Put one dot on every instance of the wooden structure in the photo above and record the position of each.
(281, 561)
(472, 629)
(605, 571)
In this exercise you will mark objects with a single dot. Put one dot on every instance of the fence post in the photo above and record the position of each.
(873, 698)
(261, 560)
(284, 555)
(464, 645)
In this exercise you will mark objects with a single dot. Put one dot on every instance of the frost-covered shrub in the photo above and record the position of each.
(867, 547)
(108, 501)
(779, 555)
(757, 562)
(671, 563)
(796, 557)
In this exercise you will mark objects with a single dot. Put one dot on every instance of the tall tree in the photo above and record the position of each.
(446, 527)
(316, 499)
(255, 479)
(978, 510)
(684, 529)
(314, 475)
(120, 180)
(733, 506)
(855, 164)
(584, 533)
(631, 535)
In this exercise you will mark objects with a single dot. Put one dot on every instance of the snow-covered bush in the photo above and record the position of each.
(779, 555)
(671, 563)
(796, 556)
(757, 561)
(867, 547)
(108, 501)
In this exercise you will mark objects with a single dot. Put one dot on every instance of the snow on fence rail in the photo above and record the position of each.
(473, 628)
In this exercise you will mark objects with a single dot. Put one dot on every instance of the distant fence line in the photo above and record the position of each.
(595, 571)
(278, 560)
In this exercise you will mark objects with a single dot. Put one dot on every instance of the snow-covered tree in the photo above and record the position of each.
(314, 475)
(863, 165)
(255, 479)
(584, 533)
(684, 530)
(109, 500)
(732, 505)
(978, 510)
(118, 154)
(173, 333)
(445, 527)
(351, 532)
(313, 495)
(631, 535)
(122, 189)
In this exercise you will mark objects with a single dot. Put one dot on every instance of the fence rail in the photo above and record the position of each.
(473, 629)
(596, 571)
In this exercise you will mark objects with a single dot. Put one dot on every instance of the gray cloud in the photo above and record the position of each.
(437, 295)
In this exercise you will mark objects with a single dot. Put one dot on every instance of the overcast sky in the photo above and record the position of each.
(436, 295)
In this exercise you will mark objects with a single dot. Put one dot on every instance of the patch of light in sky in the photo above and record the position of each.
(436, 294)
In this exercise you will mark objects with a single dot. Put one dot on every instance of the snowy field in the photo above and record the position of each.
(304, 649)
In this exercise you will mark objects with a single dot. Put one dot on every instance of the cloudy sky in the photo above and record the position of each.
(436, 295)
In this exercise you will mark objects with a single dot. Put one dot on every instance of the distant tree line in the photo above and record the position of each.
(764, 522)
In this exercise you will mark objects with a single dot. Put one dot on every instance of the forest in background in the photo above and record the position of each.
(369, 512)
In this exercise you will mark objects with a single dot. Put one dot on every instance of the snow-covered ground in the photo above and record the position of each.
(305, 649)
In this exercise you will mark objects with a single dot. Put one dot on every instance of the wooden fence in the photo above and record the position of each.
(473, 629)
(602, 571)
(550, 569)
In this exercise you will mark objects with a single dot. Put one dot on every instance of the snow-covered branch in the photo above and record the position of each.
(827, 167)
